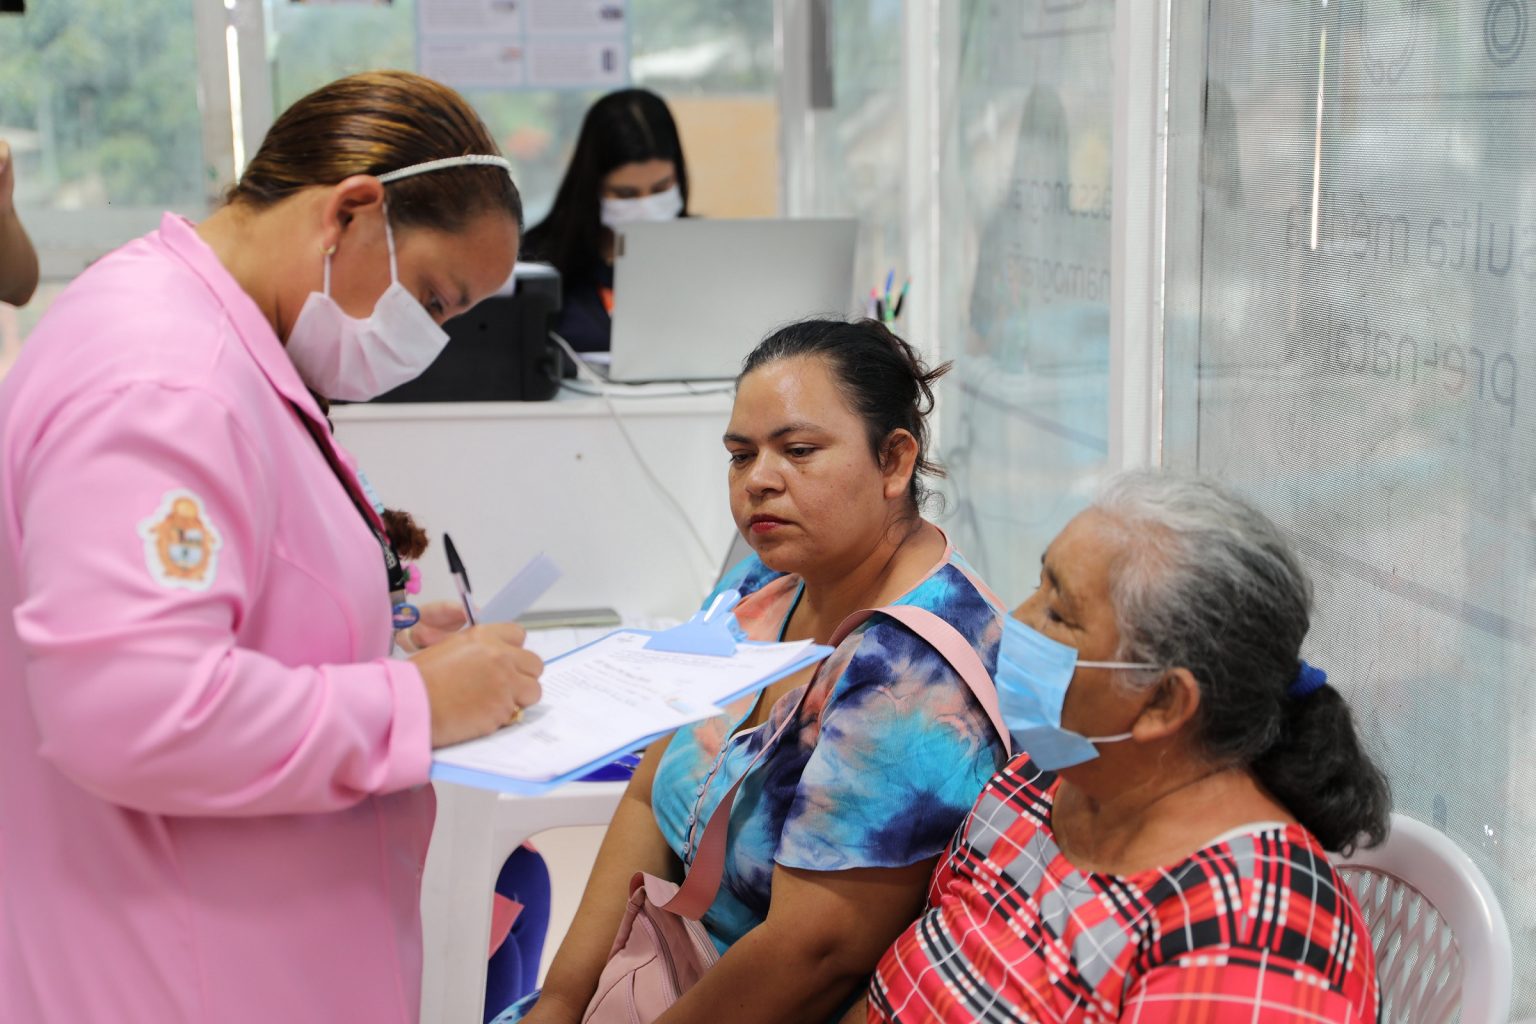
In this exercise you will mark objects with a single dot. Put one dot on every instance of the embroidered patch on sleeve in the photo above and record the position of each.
(181, 546)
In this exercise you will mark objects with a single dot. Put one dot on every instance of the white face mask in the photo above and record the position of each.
(661, 206)
(354, 359)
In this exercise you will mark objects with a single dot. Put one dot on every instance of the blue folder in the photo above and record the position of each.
(712, 632)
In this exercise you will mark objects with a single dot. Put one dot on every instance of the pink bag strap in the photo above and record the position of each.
(702, 883)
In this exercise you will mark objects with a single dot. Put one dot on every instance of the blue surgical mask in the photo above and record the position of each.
(1033, 674)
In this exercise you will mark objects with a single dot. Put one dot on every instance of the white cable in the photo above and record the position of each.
(645, 466)
(626, 391)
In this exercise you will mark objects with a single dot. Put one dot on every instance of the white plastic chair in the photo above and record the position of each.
(1440, 938)
(476, 832)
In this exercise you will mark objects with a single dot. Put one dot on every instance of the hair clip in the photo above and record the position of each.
(713, 631)
(1309, 679)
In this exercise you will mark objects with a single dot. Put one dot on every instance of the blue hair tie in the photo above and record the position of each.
(1309, 679)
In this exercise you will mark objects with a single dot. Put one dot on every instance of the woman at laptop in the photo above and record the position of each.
(835, 833)
(628, 166)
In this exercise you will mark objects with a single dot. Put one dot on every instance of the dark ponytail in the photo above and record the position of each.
(1316, 768)
(881, 377)
(1208, 583)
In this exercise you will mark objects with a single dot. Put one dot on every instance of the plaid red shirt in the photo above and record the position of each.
(1254, 927)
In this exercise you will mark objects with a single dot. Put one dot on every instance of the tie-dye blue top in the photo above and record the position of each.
(887, 757)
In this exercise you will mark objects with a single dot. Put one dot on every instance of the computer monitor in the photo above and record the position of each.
(692, 297)
(499, 350)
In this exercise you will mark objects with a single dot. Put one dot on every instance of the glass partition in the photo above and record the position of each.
(1024, 296)
(1363, 357)
(855, 142)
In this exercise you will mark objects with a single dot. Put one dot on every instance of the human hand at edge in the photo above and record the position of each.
(439, 620)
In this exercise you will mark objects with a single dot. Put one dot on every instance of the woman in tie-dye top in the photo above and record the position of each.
(834, 835)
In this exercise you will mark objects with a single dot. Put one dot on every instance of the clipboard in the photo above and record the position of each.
(710, 634)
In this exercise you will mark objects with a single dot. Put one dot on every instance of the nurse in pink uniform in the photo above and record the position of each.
(213, 799)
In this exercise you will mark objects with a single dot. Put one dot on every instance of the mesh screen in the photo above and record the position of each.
(1365, 351)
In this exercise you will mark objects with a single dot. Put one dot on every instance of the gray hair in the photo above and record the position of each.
(1206, 582)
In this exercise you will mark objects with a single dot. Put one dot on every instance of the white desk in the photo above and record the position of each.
(509, 480)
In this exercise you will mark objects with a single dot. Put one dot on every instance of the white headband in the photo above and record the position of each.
(479, 159)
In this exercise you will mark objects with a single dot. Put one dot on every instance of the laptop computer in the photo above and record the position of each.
(692, 297)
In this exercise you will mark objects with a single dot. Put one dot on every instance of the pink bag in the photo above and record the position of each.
(662, 949)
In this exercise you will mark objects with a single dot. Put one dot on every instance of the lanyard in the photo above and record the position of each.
(393, 568)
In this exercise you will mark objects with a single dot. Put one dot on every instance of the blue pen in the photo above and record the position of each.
(890, 279)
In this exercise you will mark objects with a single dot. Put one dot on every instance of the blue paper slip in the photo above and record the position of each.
(530, 583)
(614, 696)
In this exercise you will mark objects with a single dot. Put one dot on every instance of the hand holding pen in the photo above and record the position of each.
(480, 679)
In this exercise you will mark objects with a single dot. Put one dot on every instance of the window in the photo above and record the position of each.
(98, 99)
(712, 60)
(1366, 257)
(1025, 248)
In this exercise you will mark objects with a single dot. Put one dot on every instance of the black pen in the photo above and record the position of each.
(460, 578)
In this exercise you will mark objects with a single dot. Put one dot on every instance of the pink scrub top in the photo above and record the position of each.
(212, 776)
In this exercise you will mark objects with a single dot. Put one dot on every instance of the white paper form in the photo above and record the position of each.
(521, 591)
(607, 697)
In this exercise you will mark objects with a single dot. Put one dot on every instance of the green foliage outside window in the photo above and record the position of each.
(99, 98)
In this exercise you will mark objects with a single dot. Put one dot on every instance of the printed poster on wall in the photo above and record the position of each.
(524, 44)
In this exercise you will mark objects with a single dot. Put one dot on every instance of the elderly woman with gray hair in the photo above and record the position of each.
(1155, 851)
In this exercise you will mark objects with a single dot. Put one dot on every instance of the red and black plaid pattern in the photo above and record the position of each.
(1255, 927)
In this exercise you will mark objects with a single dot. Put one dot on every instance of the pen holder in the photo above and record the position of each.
(713, 631)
